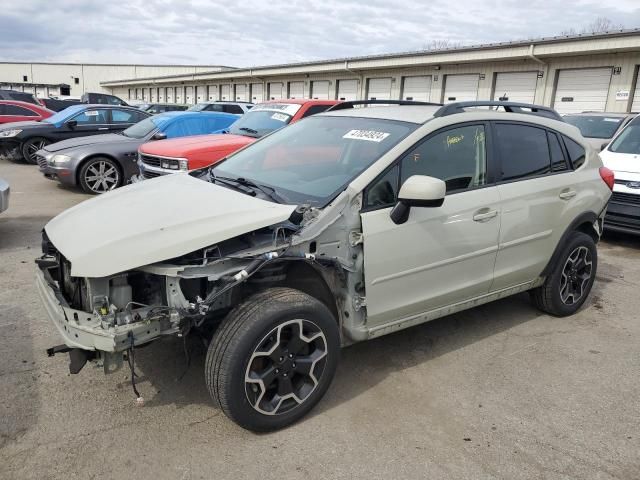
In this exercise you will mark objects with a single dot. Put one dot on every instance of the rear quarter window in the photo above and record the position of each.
(524, 151)
(577, 154)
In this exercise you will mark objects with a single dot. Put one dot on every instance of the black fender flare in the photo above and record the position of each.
(584, 218)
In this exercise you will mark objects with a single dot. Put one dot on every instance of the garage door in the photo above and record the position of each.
(256, 92)
(379, 89)
(201, 93)
(189, 95)
(461, 88)
(225, 92)
(170, 91)
(213, 92)
(635, 103)
(153, 94)
(347, 90)
(41, 92)
(417, 88)
(296, 89)
(583, 90)
(241, 93)
(275, 90)
(320, 89)
(179, 94)
(516, 86)
(161, 95)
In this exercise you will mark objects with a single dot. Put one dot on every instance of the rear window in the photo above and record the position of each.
(524, 151)
(576, 152)
(595, 126)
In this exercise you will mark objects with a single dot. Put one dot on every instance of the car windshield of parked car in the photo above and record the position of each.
(263, 119)
(596, 126)
(628, 141)
(145, 127)
(311, 161)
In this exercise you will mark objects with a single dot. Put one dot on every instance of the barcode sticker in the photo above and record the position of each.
(368, 135)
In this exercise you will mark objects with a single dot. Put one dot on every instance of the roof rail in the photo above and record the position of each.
(351, 103)
(511, 107)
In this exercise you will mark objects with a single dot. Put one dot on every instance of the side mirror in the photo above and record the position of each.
(159, 136)
(72, 124)
(418, 191)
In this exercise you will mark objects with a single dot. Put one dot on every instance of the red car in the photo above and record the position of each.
(15, 111)
(183, 154)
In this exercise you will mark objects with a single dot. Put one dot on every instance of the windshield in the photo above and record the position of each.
(145, 127)
(310, 162)
(596, 126)
(628, 141)
(265, 118)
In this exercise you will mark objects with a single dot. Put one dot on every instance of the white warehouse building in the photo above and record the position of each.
(74, 79)
(592, 72)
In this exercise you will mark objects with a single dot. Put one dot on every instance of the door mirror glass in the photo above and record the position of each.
(418, 191)
(159, 136)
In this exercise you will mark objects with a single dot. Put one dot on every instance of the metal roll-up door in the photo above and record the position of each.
(201, 93)
(582, 90)
(296, 89)
(241, 93)
(41, 92)
(320, 89)
(179, 94)
(275, 90)
(189, 95)
(153, 95)
(379, 89)
(225, 92)
(461, 88)
(635, 103)
(516, 86)
(256, 93)
(417, 88)
(170, 92)
(347, 90)
(161, 95)
(213, 92)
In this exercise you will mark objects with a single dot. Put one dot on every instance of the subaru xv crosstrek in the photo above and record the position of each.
(347, 226)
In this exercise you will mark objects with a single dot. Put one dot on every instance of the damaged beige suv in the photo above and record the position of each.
(344, 227)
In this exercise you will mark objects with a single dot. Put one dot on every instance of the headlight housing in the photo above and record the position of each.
(168, 164)
(59, 159)
(10, 133)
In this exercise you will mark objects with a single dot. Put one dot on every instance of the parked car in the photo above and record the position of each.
(95, 98)
(238, 108)
(20, 96)
(200, 152)
(347, 226)
(598, 127)
(622, 156)
(100, 163)
(16, 111)
(4, 195)
(22, 140)
(57, 105)
(161, 107)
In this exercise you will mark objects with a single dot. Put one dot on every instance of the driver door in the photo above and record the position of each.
(441, 255)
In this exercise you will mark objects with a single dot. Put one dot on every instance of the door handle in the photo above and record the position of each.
(485, 215)
(103, 128)
(567, 194)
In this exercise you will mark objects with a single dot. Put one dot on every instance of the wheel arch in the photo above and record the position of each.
(582, 223)
(97, 155)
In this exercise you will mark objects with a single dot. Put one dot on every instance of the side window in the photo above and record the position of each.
(236, 109)
(214, 107)
(3, 110)
(91, 117)
(123, 116)
(524, 151)
(312, 110)
(383, 191)
(457, 156)
(558, 162)
(19, 111)
(576, 152)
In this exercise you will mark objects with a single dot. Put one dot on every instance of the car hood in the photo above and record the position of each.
(20, 125)
(621, 162)
(155, 220)
(181, 147)
(88, 140)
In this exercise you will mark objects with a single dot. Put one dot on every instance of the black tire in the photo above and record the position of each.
(554, 296)
(241, 342)
(30, 146)
(96, 183)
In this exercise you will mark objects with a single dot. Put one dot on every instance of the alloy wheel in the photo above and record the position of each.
(285, 367)
(576, 274)
(33, 147)
(102, 176)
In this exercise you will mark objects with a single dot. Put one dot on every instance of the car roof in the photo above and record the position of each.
(188, 113)
(20, 103)
(302, 101)
(600, 114)
(404, 113)
(223, 101)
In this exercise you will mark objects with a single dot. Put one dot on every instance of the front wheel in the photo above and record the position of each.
(273, 358)
(567, 287)
(31, 146)
(99, 175)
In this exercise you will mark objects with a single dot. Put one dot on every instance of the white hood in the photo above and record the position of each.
(155, 220)
(623, 163)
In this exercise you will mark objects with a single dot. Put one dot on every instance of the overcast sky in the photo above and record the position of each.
(250, 33)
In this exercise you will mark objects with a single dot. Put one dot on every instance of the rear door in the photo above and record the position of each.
(537, 200)
(92, 121)
(441, 255)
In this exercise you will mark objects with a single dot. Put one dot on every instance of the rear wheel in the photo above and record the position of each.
(273, 358)
(31, 146)
(570, 281)
(99, 175)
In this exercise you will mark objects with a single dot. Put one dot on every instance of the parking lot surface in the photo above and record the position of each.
(500, 391)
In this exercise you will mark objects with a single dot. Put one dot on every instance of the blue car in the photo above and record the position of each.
(100, 163)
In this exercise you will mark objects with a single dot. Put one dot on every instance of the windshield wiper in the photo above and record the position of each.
(248, 130)
(250, 184)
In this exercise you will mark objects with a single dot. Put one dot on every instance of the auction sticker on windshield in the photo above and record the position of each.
(368, 135)
(281, 117)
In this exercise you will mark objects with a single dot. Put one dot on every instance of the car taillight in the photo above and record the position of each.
(607, 176)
